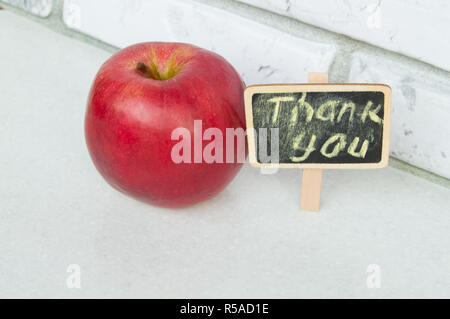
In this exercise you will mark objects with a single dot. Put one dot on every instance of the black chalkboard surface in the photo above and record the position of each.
(318, 125)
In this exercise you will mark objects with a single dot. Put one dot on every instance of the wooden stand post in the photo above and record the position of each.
(312, 177)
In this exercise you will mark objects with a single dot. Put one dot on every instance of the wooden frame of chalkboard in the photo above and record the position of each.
(353, 91)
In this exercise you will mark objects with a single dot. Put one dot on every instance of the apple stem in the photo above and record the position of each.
(141, 66)
(150, 72)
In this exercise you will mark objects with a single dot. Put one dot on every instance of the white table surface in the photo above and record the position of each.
(251, 241)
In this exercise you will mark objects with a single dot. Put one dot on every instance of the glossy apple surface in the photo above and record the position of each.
(139, 96)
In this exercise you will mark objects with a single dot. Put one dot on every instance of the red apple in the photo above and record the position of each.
(139, 97)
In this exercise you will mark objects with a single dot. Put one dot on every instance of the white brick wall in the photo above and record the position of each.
(266, 54)
(38, 7)
(420, 129)
(261, 54)
(415, 28)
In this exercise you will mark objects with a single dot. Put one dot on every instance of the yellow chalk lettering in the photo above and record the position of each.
(308, 150)
(326, 111)
(303, 105)
(340, 145)
(294, 115)
(371, 113)
(277, 100)
(350, 106)
(362, 152)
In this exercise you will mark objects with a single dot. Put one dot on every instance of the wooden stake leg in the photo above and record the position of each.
(311, 185)
(312, 177)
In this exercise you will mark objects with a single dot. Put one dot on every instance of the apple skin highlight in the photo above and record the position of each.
(143, 93)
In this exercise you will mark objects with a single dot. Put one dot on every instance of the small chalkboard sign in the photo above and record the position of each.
(318, 125)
